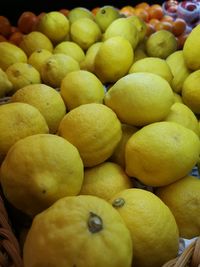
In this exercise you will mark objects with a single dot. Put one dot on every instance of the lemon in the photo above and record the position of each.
(124, 28)
(56, 67)
(180, 113)
(94, 129)
(152, 226)
(118, 155)
(177, 98)
(46, 99)
(135, 95)
(180, 71)
(191, 91)
(140, 26)
(105, 180)
(35, 40)
(78, 13)
(5, 85)
(106, 15)
(85, 32)
(88, 62)
(70, 49)
(54, 25)
(161, 153)
(182, 197)
(81, 87)
(191, 51)
(40, 169)
(18, 120)
(10, 54)
(140, 52)
(38, 57)
(113, 59)
(153, 65)
(161, 44)
(21, 74)
(78, 231)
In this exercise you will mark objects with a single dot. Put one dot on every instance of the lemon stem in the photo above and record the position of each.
(95, 223)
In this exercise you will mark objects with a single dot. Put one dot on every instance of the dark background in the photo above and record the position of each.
(13, 8)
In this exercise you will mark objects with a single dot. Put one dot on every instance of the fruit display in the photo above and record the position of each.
(100, 133)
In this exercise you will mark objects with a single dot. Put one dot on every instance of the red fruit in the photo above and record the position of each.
(27, 21)
(5, 26)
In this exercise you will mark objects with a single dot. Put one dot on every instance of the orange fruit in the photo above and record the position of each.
(150, 29)
(154, 22)
(2, 38)
(164, 25)
(179, 26)
(64, 11)
(142, 13)
(27, 21)
(143, 5)
(155, 11)
(95, 9)
(181, 39)
(167, 18)
(16, 38)
(5, 26)
(127, 11)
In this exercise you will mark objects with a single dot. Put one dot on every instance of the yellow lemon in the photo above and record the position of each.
(70, 49)
(21, 74)
(152, 226)
(40, 169)
(191, 51)
(88, 62)
(153, 65)
(79, 12)
(56, 67)
(177, 98)
(161, 153)
(191, 91)
(54, 25)
(180, 113)
(78, 231)
(118, 155)
(124, 28)
(5, 85)
(140, 26)
(105, 180)
(113, 59)
(18, 120)
(94, 129)
(38, 57)
(85, 32)
(161, 44)
(81, 87)
(140, 98)
(35, 40)
(46, 99)
(10, 54)
(183, 199)
(180, 71)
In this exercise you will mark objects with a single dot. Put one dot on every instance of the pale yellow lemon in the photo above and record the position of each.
(40, 169)
(81, 87)
(105, 180)
(38, 57)
(46, 99)
(94, 129)
(113, 59)
(77, 231)
(161, 153)
(152, 226)
(182, 114)
(140, 98)
(18, 120)
(183, 199)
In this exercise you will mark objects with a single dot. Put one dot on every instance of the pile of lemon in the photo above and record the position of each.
(93, 112)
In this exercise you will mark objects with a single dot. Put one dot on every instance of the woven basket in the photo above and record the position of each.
(10, 254)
